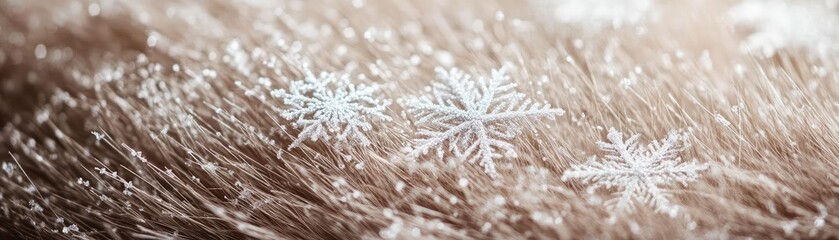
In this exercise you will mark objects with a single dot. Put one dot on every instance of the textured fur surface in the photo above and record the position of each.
(157, 119)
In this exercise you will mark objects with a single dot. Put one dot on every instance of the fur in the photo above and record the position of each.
(124, 119)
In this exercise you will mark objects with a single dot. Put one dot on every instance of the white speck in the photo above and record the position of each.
(341, 50)
(71, 228)
(673, 212)
(42, 116)
(626, 83)
(720, 119)
(445, 58)
(81, 181)
(35, 206)
(151, 41)
(499, 16)
(789, 227)
(819, 223)
(358, 3)
(209, 167)
(578, 43)
(93, 9)
(399, 186)
(486, 227)
(740, 70)
(692, 225)
(706, 61)
(463, 182)
(348, 33)
(8, 168)
(415, 60)
(40, 51)
(499, 200)
(128, 186)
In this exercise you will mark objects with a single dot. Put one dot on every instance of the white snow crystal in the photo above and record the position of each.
(330, 108)
(8, 168)
(70, 229)
(721, 119)
(596, 14)
(638, 171)
(777, 24)
(472, 118)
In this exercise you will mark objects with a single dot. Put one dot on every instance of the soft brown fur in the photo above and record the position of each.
(775, 165)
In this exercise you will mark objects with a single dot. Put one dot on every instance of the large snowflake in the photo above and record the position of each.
(638, 171)
(332, 109)
(473, 119)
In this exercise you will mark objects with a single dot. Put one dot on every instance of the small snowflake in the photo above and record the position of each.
(638, 171)
(472, 118)
(332, 109)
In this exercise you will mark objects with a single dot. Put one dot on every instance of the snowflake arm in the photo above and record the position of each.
(473, 119)
(638, 172)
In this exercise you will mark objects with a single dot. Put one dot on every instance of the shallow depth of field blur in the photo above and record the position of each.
(400, 119)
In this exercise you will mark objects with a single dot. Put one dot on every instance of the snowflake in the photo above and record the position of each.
(777, 24)
(332, 109)
(638, 171)
(472, 118)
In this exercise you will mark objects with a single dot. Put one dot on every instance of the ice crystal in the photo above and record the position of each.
(70, 229)
(721, 119)
(330, 108)
(780, 24)
(35, 206)
(472, 118)
(8, 168)
(638, 171)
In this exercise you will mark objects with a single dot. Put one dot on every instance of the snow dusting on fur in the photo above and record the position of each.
(603, 13)
(777, 24)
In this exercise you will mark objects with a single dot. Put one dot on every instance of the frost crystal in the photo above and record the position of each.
(638, 171)
(795, 24)
(332, 109)
(70, 229)
(473, 119)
